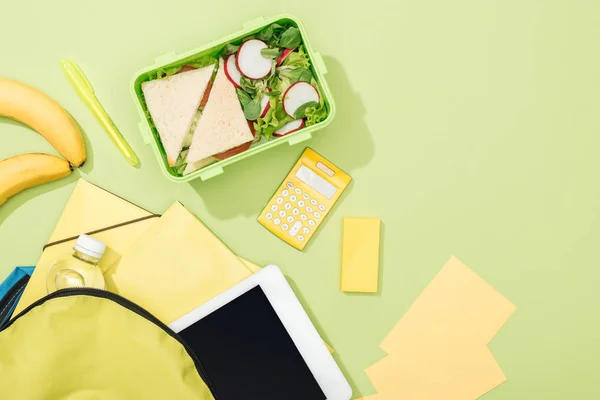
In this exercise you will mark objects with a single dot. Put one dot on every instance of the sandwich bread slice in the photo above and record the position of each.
(223, 125)
(173, 102)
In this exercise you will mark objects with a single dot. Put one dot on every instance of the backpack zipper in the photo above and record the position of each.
(13, 294)
(122, 301)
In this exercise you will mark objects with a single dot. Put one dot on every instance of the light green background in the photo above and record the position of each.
(471, 128)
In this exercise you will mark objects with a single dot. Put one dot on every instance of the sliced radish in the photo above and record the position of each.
(283, 55)
(297, 95)
(232, 72)
(250, 62)
(290, 127)
(265, 104)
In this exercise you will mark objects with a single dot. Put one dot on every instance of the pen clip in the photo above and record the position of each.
(73, 70)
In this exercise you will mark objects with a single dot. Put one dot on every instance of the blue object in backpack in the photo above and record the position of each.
(11, 291)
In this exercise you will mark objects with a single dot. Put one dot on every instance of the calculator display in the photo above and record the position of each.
(313, 180)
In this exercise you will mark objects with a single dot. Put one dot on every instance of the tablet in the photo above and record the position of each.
(256, 342)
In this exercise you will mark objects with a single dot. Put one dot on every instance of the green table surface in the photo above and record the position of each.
(471, 128)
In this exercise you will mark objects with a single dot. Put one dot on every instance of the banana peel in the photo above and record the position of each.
(28, 170)
(30, 106)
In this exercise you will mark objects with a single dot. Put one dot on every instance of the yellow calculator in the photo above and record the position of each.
(304, 199)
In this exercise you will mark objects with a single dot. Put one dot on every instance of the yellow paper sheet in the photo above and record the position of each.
(456, 303)
(432, 373)
(177, 265)
(439, 350)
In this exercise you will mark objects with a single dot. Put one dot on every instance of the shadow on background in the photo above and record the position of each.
(89, 162)
(336, 355)
(21, 198)
(250, 183)
(347, 141)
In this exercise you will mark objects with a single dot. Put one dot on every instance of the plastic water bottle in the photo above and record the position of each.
(81, 269)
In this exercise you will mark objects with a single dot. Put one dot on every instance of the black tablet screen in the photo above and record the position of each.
(248, 354)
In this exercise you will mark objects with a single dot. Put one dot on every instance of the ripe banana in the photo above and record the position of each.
(35, 109)
(28, 170)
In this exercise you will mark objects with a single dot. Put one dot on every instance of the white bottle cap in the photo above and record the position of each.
(90, 246)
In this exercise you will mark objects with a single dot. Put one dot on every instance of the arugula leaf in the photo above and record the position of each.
(229, 49)
(291, 38)
(244, 97)
(252, 109)
(272, 54)
(301, 111)
(305, 76)
(266, 34)
(248, 85)
(287, 76)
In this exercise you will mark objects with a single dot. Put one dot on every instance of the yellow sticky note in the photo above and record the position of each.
(360, 255)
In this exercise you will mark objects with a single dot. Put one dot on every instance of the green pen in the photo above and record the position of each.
(84, 89)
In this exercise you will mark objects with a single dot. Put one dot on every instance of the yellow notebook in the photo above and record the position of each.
(92, 210)
(175, 266)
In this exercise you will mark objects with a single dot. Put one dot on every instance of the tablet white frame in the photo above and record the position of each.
(295, 320)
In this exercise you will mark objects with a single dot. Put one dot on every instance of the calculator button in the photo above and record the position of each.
(301, 238)
(290, 219)
(269, 216)
(298, 191)
(311, 222)
(282, 213)
(303, 217)
(287, 206)
(295, 211)
(322, 208)
(317, 214)
(293, 198)
(306, 197)
(295, 228)
(274, 208)
(290, 185)
(314, 202)
(285, 192)
(277, 221)
(285, 227)
(300, 203)
(306, 230)
(279, 200)
(309, 209)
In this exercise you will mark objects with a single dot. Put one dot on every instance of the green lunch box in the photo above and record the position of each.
(151, 136)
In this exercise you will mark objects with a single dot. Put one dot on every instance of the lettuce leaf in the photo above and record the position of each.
(275, 118)
(297, 59)
(200, 62)
(316, 114)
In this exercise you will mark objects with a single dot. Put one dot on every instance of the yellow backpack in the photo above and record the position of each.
(89, 344)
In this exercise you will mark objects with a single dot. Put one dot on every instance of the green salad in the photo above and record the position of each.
(289, 64)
